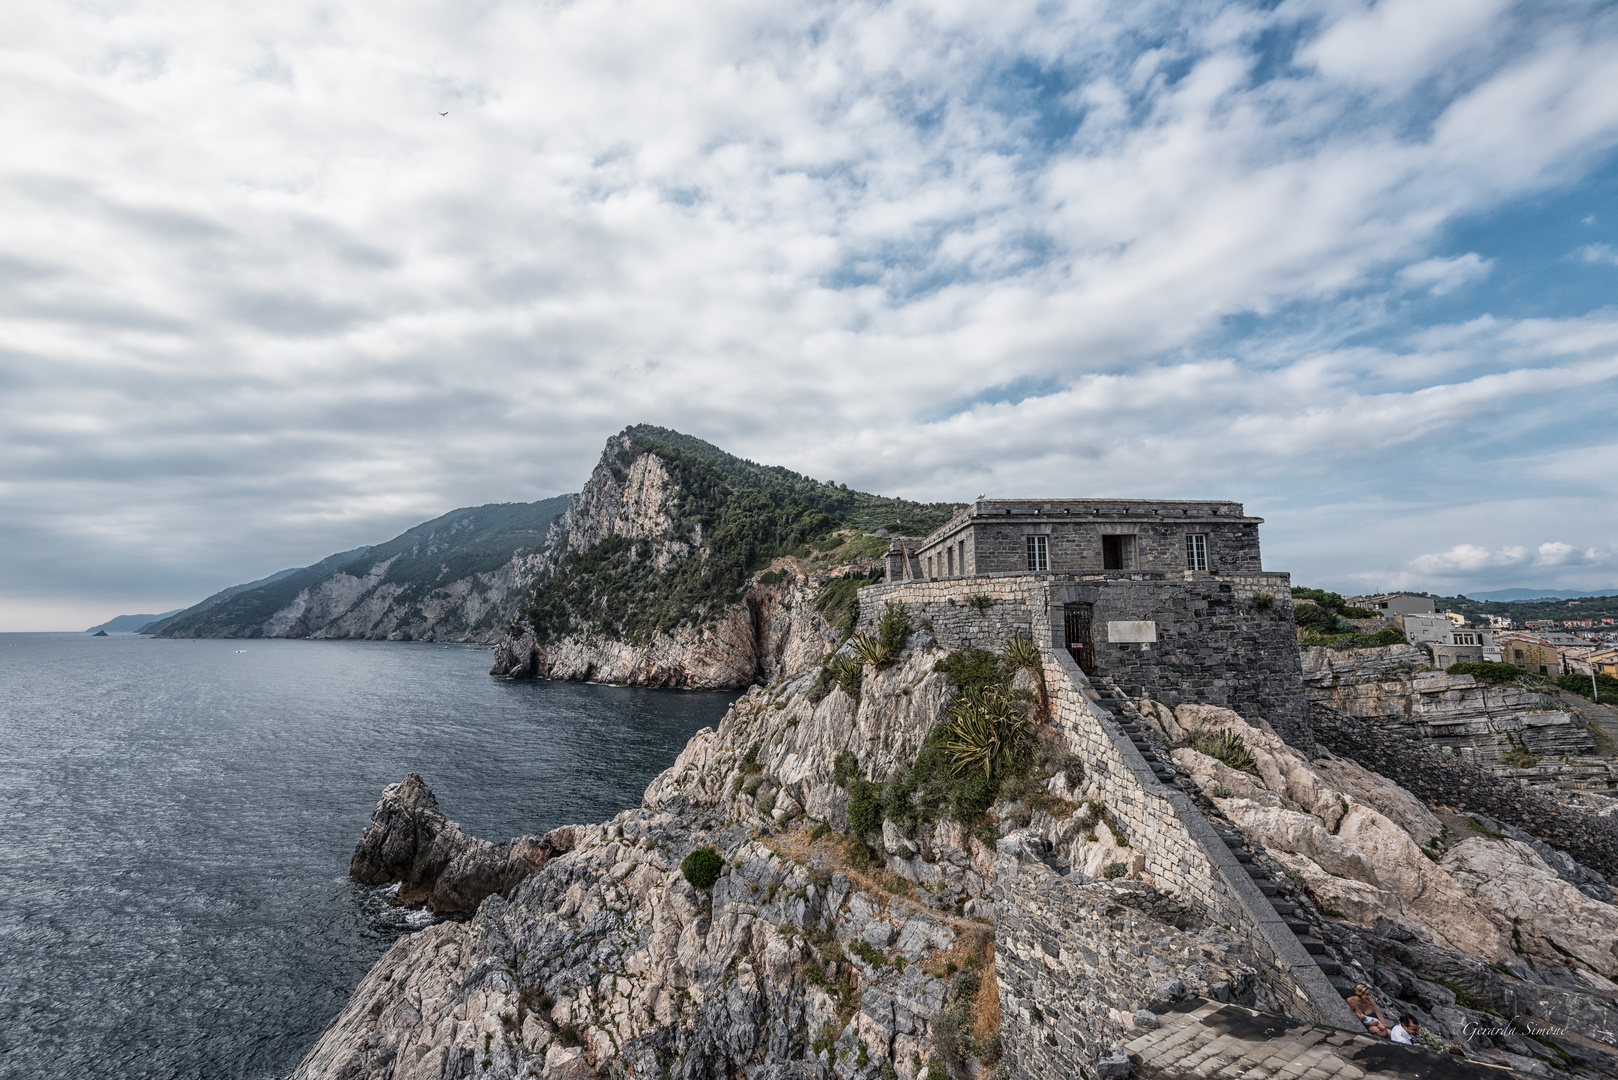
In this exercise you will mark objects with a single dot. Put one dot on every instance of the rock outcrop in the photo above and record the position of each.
(1395, 686)
(436, 865)
(1033, 938)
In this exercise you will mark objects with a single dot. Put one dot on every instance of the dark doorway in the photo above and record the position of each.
(1080, 621)
(1118, 552)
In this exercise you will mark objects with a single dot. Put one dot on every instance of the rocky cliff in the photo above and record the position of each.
(876, 912)
(1395, 686)
(681, 565)
(460, 577)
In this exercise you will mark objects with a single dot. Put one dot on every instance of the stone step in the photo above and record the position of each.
(1283, 909)
(1298, 926)
(1232, 839)
(1341, 985)
(1257, 872)
(1332, 967)
(1242, 856)
(1313, 946)
(1268, 888)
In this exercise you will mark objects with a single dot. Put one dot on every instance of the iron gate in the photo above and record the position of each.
(1079, 619)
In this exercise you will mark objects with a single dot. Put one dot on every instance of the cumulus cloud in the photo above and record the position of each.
(262, 302)
(1601, 254)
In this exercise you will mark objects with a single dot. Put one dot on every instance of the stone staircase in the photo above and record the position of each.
(1129, 720)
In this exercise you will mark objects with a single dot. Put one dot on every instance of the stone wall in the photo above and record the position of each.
(1076, 962)
(1219, 641)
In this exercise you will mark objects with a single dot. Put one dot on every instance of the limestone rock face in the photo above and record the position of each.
(410, 841)
(1357, 841)
(768, 630)
(1394, 685)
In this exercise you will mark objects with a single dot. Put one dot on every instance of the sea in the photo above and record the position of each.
(178, 818)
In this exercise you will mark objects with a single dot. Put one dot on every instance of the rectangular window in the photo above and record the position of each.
(1118, 552)
(1196, 551)
(961, 558)
(1518, 655)
(930, 566)
(951, 554)
(1038, 553)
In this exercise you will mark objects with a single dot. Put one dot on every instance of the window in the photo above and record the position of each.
(1196, 551)
(961, 560)
(951, 554)
(930, 566)
(1118, 552)
(1039, 553)
(1517, 655)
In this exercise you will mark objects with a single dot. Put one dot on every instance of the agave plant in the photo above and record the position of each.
(1021, 652)
(987, 728)
(871, 650)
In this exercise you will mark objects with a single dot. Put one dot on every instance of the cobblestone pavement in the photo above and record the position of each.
(1209, 1039)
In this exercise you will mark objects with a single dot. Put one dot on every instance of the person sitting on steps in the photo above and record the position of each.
(1408, 1030)
(1364, 1006)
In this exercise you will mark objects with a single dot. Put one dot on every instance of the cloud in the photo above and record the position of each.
(262, 302)
(1441, 276)
(1601, 254)
(1469, 559)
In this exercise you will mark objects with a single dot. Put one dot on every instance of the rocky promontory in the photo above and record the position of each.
(409, 841)
(813, 890)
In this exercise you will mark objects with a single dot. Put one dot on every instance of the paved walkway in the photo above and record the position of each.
(1207, 1039)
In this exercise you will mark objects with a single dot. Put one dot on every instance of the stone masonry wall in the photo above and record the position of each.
(1217, 644)
(1076, 961)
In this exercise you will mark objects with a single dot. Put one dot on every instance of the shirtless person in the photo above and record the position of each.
(1364, 1007)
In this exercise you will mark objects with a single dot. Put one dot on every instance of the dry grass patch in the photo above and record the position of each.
(986, 1009)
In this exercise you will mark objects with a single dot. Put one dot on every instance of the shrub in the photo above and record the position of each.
(1580, 684)
(1264, 601)
(701, 867)
(751, 786)
(865, 807)
(1114, 871)
(980, 603)
(1222, 791)
(1316, 618)
(847, 672)
(893, 629)
(1519, 758)
(845, 768)
(1226, 746)
(971, 669)
(1488, 672)
(766, 803)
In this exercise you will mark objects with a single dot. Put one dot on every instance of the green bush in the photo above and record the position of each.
(893, 629)
(1318, 619)
(1580, 684)
(1488, 672)
(1381, 639)
(971, 669)
(1114, 871)
(701, 867)
(865, 807)
(766, 803)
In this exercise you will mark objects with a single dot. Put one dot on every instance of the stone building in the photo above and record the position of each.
(1167, 600)
(999, 536)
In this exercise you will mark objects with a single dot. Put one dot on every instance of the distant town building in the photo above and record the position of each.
(1547, 653)
(1389, 605)
(1466, 645)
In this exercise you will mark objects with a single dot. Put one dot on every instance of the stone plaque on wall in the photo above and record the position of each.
(1145, 630)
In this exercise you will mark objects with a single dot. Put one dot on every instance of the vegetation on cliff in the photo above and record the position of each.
(734, 515)
(455, 547)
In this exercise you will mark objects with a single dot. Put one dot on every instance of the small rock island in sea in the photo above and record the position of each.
(1035, 788)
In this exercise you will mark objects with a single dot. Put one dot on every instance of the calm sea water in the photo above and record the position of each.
(178, 819)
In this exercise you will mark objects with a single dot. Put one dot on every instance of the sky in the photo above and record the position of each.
(280, 280)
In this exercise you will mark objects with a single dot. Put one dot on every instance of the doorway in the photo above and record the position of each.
(1079, 621)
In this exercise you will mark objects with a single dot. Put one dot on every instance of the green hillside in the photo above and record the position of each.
(473, 540)
(747, 513)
